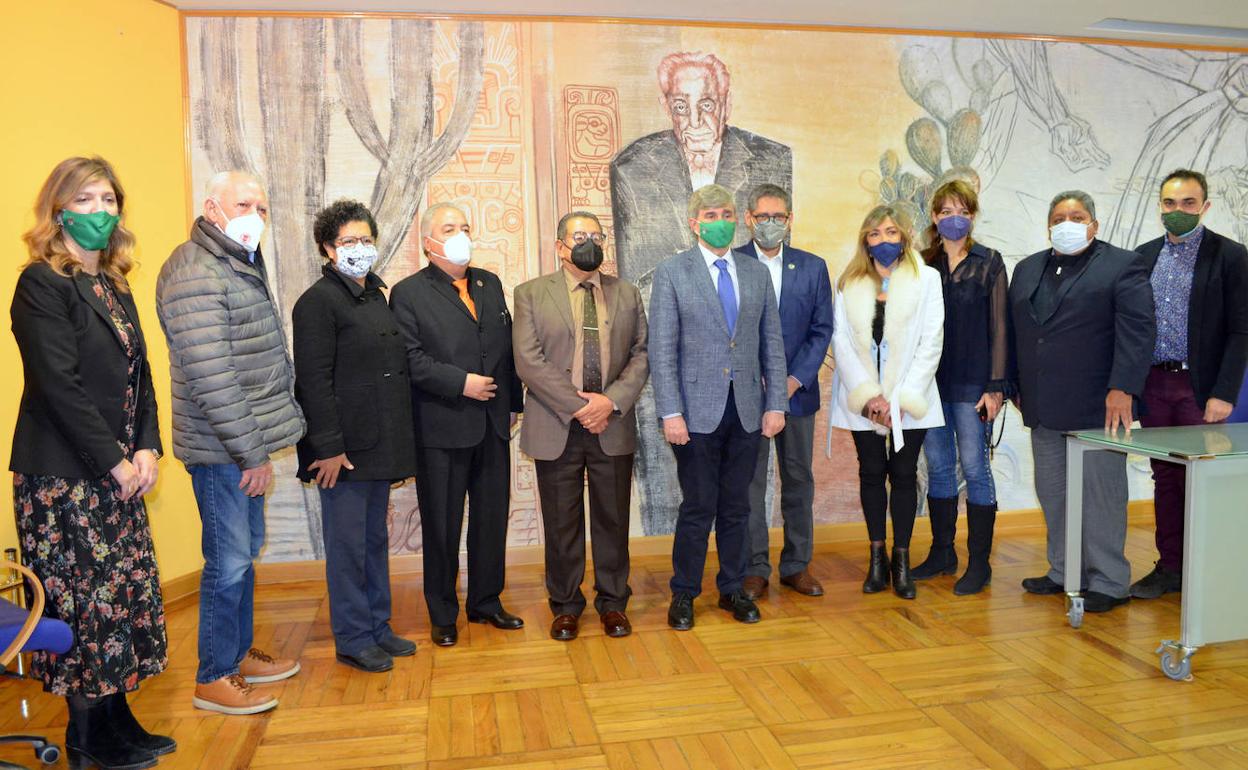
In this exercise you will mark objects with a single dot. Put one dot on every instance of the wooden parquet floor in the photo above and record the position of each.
(846, 680)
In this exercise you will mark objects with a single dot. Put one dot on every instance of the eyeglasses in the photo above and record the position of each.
(349, 241)
(578, 238)
(762, 219)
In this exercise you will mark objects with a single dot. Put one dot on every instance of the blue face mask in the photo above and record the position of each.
(885, 252)
(954, 228)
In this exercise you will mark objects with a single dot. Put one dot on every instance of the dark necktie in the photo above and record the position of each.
(591, 377)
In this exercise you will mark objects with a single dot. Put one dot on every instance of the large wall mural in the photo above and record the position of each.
(517, 126)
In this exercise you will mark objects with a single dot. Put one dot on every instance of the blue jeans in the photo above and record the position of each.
(963, 437)
(233, 533)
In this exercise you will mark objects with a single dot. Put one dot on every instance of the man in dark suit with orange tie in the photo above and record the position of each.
(465, 396)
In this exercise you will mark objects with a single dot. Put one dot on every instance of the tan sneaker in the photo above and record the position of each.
(232, 695)
(258, 668)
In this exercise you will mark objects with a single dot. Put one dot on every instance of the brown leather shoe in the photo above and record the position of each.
(754, 587)
(563, 628)
(803, 582)
(232, 695)
(615, 624)
(258, 667)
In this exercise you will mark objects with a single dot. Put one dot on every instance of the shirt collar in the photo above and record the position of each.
(572, 282)
(766, 260)
(711, 256)
(1188, 245)
(372, 281)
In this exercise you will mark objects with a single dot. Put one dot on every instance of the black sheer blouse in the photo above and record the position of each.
(975, 359)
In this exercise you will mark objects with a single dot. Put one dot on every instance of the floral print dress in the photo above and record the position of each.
(94, 555)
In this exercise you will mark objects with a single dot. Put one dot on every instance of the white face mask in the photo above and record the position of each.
(457, 249)
(245, 230)
(1069, 237)
(355, 261)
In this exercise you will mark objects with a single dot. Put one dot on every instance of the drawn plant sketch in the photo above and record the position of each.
(651, 181)
(285, 144)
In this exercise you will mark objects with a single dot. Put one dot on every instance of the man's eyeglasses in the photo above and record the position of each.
(350, 241)
(762, 219)
(578, 238)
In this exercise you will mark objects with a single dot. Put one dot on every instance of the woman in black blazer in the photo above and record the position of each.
(351, 380)
(84, 454)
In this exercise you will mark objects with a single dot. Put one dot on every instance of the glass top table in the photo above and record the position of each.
(1186, 442)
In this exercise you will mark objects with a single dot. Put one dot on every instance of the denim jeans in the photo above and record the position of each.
(357, 562)
(963, 437)
(233, 533)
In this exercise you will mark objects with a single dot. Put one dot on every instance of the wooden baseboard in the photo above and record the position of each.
(182, 589)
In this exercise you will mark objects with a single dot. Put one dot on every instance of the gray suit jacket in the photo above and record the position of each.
(544, 343)
(693, 359)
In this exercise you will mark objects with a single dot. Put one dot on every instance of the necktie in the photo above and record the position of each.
(591, 378)
(727, 296)
(462, 287)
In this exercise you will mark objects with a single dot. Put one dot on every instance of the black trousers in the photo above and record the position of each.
(443, 478)
(357, 562)
(561, 487)
(715, 470)
(878, 462)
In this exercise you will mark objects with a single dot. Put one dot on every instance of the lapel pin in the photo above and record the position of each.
(792, 266)
(479, 283)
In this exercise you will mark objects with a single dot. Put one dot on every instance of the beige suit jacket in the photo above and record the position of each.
(544, 343)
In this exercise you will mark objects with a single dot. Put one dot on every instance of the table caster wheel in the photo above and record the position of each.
(1178, 669)
(1074, 610)
(48, 755)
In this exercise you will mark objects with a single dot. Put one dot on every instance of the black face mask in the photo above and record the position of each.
(587, 256)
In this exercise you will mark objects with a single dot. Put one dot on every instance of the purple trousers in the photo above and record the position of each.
(1169, 400)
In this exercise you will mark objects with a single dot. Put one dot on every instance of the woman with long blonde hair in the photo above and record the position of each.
(889, 318)
(85, 453)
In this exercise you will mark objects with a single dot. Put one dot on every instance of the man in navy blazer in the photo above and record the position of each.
(804, 293)
(717, 366)
(1200, 283)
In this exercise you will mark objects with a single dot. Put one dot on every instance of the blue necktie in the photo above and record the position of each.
(727, 296)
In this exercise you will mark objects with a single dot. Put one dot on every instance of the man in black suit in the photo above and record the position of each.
(1083, 336)
(465, 396)
(1200, 287)
(652, 180)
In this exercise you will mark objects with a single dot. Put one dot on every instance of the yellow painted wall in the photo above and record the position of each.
(83, 77)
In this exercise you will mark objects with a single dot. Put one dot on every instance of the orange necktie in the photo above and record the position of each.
(462, 287)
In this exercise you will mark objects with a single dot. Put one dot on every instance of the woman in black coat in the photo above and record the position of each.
(84, 455)
(351, 380)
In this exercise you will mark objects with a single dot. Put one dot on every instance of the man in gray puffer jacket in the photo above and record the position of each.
(233, 405)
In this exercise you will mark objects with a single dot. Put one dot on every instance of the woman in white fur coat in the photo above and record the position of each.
(889, 331)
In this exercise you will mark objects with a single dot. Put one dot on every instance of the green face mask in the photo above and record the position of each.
(718, 233)
(91, 231)
(1180, 224)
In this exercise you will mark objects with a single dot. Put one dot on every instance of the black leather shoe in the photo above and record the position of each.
(92, 739)
(1095, 601)
(1041, 586)
(396, 645)
(877, 571)
(743, 610)
(445, 636)
(373, 659)
(680, 614)
(903, 586)
(1157, 583)
(501, 619)
(942, 559)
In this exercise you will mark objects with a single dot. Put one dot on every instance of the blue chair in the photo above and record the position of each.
(24, 630)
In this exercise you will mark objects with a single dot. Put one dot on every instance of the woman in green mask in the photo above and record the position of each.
(85, 452)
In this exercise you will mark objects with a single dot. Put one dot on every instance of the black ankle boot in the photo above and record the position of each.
(877, 572)
(942, 559)
(903, 585)
(980, 520)
(118, 710)
(93, 740)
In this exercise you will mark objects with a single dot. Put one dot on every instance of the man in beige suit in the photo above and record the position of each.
(579, 340)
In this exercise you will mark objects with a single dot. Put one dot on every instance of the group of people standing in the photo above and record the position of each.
(430, 382)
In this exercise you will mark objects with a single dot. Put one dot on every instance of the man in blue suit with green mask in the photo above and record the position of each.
(718, 370)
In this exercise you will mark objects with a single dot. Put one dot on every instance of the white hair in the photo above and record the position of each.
(426, 219)
(224, 179)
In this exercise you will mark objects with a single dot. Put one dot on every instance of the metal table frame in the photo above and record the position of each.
(1211, 517)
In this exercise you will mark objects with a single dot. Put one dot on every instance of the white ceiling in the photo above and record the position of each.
(1065, 18)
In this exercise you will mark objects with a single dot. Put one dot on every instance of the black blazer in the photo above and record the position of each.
(351, 380)
(444, 344)
(1099, 337)
(73, 411)
(1217, 315)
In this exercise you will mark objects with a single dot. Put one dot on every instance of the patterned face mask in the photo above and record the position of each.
(355, 261)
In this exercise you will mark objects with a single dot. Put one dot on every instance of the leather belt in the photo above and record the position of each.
(1172, 366)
